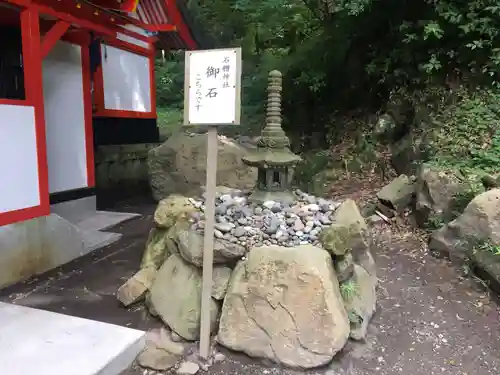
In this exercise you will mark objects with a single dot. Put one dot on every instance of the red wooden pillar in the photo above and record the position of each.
(152, 79)
(87, 105)
(32, 63)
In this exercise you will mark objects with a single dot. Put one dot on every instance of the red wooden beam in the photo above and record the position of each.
(127, 46)
(73, 20)
(160, 28)
(135, 35)
(53, 35)
(21, 3)
(32, 60)
(176, 19)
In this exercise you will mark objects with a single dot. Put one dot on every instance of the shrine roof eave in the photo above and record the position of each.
(187, 33)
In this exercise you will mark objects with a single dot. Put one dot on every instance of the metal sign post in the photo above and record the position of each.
(212, 97)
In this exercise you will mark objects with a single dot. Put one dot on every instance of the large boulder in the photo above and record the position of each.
(160, 352)
(156, 249)
(176, 297)
(361, 304)
(410, 151)
(220, 281)
(385, 128)
(189, 244)
(135, 288)
(435, 190)
(172, 209)
(179, 165)
(479, 224)
(491, 181)
(348, 231)
(398, 194)
(284, 304)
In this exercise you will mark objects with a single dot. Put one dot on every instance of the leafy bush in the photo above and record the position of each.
(351, 54)
(467, 130)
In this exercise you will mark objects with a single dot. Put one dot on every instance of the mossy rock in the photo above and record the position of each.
(348, 232)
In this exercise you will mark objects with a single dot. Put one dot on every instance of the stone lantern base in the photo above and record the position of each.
(261, 196)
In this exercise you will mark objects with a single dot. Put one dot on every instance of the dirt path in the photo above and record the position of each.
(429, 320)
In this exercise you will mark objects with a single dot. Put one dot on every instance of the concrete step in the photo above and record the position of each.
(93, 239)
(102, 220)
(38, 342)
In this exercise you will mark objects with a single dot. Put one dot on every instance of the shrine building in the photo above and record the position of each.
(71, 70)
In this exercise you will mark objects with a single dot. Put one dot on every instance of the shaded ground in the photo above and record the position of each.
(429, 320)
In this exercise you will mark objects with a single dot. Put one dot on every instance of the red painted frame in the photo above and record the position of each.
(34, 49)
(184, 32)
(83, 40)
(87, 105)
(33, 52)
(100, 110)
(52, 36)
(31, 48)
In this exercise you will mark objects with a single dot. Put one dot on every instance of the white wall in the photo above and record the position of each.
(64, 118)
(127, 83)
(132, 40)
(18, 158)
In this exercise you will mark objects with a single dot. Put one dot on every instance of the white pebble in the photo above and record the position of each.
(313, 207)
(188, 368)
(269, 204)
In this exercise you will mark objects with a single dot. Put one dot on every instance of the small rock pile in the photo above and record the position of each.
(291, 283)
(270, 223)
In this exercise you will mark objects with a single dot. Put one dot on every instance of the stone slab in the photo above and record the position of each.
(38, 342)
(32, 247)
(94, 239)
(76, 209)
(102, 220)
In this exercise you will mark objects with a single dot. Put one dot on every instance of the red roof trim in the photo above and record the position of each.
(163, 12)
(184, 31)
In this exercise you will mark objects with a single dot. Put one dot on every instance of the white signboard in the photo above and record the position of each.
(212, 87)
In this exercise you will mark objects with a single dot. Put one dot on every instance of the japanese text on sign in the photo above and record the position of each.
(213, 87)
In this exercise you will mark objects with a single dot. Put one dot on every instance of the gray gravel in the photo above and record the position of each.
(270, 223)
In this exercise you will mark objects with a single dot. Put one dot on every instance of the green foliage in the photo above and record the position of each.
(487, 246)
(433, 223)
(354, 318)
(341, 55)
(169, 73)
(169, 121)
(488, 159)
(313, 162)
(349, 290)
(463, 198)
(467, 130)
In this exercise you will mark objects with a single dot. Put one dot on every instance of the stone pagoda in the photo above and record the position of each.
(273, 157)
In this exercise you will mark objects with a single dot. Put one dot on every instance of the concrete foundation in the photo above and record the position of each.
(75, 210)
(35, 246)
(32, 247)
(122, 166)
(39, 342)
